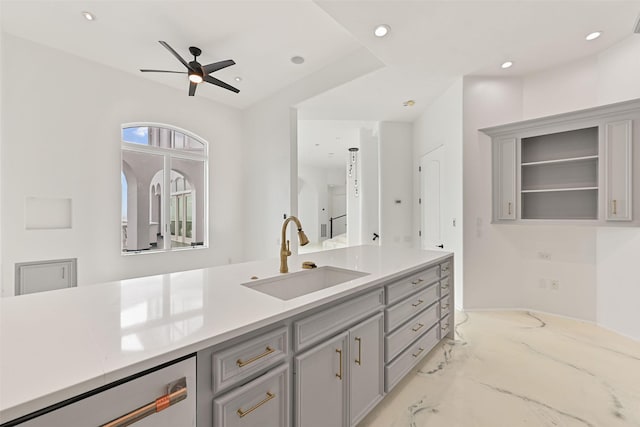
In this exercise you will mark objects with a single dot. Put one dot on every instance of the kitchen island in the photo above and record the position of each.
(60, 344)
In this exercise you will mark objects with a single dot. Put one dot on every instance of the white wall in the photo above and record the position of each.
(61, 138)
(597, 266)
(270, 153)
(395, 148)
(441, 125)
(370, 186)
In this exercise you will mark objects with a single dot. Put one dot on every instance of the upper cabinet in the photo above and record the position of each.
(574, 167)
(619, 151)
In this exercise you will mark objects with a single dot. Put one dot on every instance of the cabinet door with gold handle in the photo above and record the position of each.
(323, 371)
(618, 177)
(366, 372)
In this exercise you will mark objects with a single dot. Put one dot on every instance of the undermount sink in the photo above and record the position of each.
(292, 285)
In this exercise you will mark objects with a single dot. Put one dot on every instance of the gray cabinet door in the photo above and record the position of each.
(321, 384)
(618, 146)
(366, 366)
(505, 179)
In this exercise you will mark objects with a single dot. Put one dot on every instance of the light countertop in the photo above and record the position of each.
(56, 345)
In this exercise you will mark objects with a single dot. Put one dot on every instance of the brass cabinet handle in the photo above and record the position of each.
(339, 351)
(420, 350)
(615, 207)
(417, 304)
(416, 329)
(509, 213)
(242, 413)
(177, 391)
(359, 359)
(266, 352)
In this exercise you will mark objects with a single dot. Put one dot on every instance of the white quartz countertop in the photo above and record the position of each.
(56, 345)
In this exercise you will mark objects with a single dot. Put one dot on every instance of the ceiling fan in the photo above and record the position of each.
(197, 72)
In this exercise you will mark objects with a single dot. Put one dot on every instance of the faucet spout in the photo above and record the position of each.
(285, 250)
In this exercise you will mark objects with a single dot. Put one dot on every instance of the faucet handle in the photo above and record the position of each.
(288, 248)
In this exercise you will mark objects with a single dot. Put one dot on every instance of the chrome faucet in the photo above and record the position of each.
(285, 251)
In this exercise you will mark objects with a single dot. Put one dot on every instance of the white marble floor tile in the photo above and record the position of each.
(511, 369)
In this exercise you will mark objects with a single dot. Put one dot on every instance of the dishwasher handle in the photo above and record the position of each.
(177, 392)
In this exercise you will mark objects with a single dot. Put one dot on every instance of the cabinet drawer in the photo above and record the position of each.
(396, 342)
(314, 328)
(395, 371)
(445, 326)
(399, 313)
(408, 285)
(115, 402)
(237, 363)
(445, 306)
(445, 268)
(264, 402)
(445, 284)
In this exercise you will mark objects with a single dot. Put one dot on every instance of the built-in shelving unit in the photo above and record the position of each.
(559, 175)
(575, 166)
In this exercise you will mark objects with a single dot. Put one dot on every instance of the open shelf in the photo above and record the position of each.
(562, 145)
(559, 175)
(576, 204)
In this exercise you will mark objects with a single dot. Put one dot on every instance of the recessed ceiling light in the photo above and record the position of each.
(593, 36)
(297, 59)
(238, 79)
(507, 64)
(409, 103)
(381, 30)
(88, 16)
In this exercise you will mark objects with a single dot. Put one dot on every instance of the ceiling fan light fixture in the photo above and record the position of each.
(381, 30)
(195, 77)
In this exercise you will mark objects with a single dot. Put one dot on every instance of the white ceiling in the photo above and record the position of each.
(325, 143)
(431, 42)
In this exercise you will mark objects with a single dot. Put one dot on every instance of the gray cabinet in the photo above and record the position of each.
(263, 402)
(618, 148)
(571, 167)
(505, 185)
(366, 362)
(339, 381)
(321, 384)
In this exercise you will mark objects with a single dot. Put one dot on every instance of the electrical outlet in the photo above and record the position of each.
(555, 285)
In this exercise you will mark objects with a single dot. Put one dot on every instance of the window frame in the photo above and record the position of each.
(167, 154)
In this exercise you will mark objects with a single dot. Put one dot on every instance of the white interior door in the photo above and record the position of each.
(431, 166)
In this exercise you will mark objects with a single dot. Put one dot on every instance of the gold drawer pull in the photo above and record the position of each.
(509, 208)
(266, 352)
(339, 351)
(242, 413)
(359, 359)
(177, 391)
(420, 350)
(417, 304)
(615, 207)
(416, 329)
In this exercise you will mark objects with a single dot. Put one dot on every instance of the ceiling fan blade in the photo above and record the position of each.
(210, 68)
(170, 49)
(163, 71)
(220, 83)
(192, 88)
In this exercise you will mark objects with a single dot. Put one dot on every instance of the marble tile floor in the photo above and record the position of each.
(511, 369)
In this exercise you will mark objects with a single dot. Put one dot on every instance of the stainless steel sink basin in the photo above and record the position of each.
(292, 285)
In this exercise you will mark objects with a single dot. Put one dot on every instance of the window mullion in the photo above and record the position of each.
(166, 204)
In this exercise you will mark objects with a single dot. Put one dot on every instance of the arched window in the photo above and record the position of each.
(164, 188)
